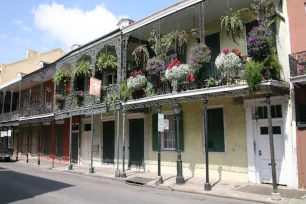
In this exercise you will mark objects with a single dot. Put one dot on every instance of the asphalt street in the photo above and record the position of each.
(22, 183)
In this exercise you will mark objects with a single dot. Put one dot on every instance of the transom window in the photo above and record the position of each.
(168, 136)
(276, 112)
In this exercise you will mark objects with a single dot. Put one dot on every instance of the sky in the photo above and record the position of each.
(43, 25)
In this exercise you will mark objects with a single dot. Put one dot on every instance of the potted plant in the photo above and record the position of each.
(79, 98)
(107, 63)
(141, 54)
(125, 92)
(59, 101)
(83, 68)
(61, 77)
(232, 24)
(137, 82)
(176, 73)
(253, 74)
(200, 55)
(230, 63)
(260, 43)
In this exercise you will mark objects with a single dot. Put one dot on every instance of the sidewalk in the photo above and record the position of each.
(224, 189)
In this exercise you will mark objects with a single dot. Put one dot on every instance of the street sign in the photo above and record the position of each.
(95, 86)
(161, 122)
(166, 124)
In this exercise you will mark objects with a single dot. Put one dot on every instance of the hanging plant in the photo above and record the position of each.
(154, 66)
(265, 11)
(59, 101)
(83, 69)
(141, 54)
(61, 77)
(110, 101)
(107, 63)
(232, 24)
(200, 55)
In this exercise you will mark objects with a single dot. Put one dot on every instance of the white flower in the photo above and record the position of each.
(138, 82)
(228, 64)
(178, 73)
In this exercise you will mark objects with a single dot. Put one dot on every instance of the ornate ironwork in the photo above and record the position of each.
(169, 99)
(200, 11)
(125, 41)
(297, 62)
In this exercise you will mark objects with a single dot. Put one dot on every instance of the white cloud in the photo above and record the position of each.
(17, 22)
(74, 25)
(3, 36)
(25, 28)
(17, 40)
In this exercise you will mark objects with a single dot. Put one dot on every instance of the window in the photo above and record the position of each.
(275, 129)
(276, 112)
(215, 123)
(87, 127)
(168, 136)
(213, 42)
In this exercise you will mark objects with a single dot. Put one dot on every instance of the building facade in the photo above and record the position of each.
(118, 127)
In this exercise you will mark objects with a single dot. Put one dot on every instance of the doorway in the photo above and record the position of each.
(86, 145)
(108, 142)
(265, 156)
(136, 133)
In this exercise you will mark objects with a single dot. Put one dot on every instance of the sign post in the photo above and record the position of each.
(95, 87)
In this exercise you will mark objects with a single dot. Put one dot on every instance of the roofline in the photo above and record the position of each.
(159, 14)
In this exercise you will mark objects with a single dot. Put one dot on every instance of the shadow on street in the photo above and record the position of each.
(16, 186)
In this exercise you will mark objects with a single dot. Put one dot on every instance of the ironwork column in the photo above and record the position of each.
(39, 141)
(53, 142)
(118, 108)
(275, 194)
(41, 93)
(91, 169)
(207, 186)
(123, 174)
(11, 102)
(17, 145)
(3, 101)
(28, 141)
(70, 166)
(179, 176)
(159, 178)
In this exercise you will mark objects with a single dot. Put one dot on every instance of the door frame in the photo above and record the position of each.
(129, 117)
(253, 138)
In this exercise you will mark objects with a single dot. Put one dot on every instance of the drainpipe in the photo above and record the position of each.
(277, 11)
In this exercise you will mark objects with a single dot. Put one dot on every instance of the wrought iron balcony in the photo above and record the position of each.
(297, 63)
(37, 109)
(14, 115)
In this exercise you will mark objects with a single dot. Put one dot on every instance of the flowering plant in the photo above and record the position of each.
(177, 71)
(230, 63)
(200, 54)
(260, 42)
(154, 66)
(136, 80)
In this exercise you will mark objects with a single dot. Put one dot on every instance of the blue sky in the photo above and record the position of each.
(43, 25)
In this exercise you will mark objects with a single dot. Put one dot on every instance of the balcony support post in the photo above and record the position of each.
(207, 186)
(39, 141)
(118, 108)
(3, 100)
(91, 169)
(123, 174)
(41, 93)
(11, 102)
(19, 100)
(70, 145)
(125, 42)
(30, 97)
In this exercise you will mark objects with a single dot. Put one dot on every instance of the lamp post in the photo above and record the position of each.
(70, 166)
(207, 186)
(91, 169)
(159, 178)
(275, 195)
(118, 108)
(179, 176)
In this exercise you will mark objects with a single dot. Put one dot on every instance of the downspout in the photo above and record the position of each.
(277, 11)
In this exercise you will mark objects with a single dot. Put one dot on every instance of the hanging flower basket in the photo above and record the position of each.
(177, 71)
(154, 66)
(107, 63)
(59, 101)
(79, 98)
(200, 55)
(136, 80)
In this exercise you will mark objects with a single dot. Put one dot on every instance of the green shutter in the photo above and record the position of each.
(181, 133)
(215, 130)
(155, 132)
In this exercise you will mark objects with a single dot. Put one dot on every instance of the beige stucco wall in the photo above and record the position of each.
(27, 65)
(231, 165)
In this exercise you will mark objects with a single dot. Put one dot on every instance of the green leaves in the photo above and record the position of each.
(265, 11)
(232, 24)
(107, 62)
(83, 68)
(61, 77)
(141, 54)
(253, 74)
(125, 92)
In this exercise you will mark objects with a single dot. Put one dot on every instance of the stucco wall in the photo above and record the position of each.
(229, 165)
(9, 71)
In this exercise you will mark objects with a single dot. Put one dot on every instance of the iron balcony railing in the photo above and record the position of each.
(297, 62)
(14, 115)
(79, 99)
(36, 109)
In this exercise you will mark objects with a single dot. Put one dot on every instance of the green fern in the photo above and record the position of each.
(125, 92)
(141, 54)
(253, 74)
(107, 62)
(232, 24)
(61, 77)
(83, 69)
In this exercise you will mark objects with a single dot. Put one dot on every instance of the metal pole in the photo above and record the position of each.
(118, 107)
(28, 141)
(91, 169)
(123, 174)
(70, 166)
(159, 178)
(53, 141)
(17, 146)
(39, 141)
(179, 177)
(275, 194)
(207, 186)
